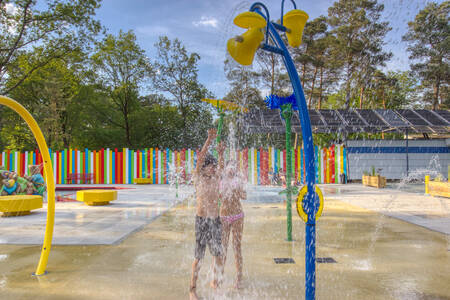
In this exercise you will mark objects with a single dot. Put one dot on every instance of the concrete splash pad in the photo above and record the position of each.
(77, 224)
(376, 258)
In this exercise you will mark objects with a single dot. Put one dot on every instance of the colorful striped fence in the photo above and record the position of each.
(121, 166)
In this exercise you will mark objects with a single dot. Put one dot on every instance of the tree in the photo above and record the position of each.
(49, 94)
(119, 68)
(359, 35)
(244, 85)
(316, 61)
(308, 55)
(176, 74)
(272, 73)
(45, 31)
(428, 41)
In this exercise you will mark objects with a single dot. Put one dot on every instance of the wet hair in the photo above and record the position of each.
(209, 160)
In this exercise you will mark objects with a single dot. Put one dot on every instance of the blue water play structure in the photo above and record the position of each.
(242, 48)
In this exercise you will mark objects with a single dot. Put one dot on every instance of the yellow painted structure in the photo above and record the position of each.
(225, 105)
(96, 197)
(48, 175)
(301, 195)
(437, 188)
(295, 21)
(427, 180)
(142, 180)
(250, 19)
(19, 205)
(243, 47)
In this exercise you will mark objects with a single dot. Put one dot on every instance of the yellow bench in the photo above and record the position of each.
(96, 197)
(437, 188)
(19, 205)
(143, 180)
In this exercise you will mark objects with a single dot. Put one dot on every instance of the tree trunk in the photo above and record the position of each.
(319, 105)
(384, 99)
(312, 87)
(436, 95)
(361, 95)
(347, 93)
(127, 128)
(303, 76)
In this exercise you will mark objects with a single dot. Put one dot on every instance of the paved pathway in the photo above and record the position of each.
(79, 224)
(395, 201)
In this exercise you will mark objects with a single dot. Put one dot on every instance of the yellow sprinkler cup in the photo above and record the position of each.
(301, 196)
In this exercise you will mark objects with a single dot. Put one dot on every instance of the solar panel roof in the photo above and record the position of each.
(431, 117)
(315, 118)
(331, 118)
(371, 117)
(412, 117)
(392, 118)
(358, 120)
(444, 114)
(351, 117)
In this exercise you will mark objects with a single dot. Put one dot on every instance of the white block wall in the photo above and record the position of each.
(393, 165)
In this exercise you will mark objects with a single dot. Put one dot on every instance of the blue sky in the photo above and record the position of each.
(204, 26)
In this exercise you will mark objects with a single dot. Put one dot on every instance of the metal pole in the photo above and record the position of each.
(220, 125)
(48, 174)
(286, 111)
(407, 154)
(311, 203)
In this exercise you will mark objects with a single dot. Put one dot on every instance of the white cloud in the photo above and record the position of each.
(206, 22)
(153, 30)
(11, 8)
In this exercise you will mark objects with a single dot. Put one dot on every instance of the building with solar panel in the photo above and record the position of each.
(426, 143)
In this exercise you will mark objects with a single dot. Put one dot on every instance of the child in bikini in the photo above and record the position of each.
(232, 191)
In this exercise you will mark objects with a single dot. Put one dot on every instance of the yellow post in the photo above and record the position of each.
(427, 180)
(48, 173)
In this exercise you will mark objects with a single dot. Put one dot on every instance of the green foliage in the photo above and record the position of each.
(428, 40)
(316, 62)
(176, 74)
(44, 32)
(50, 94)
(359, 35)
(118, 68)
(87, 93)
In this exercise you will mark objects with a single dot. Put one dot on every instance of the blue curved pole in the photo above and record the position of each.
(310, 203)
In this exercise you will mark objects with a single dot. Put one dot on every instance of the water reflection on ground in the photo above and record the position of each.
(79, 224)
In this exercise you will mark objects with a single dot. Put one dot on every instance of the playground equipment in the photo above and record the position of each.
(96, 197)
(48, 173)
(242, 49)
(19, 205)
(221, 106)
(286, 105)
(436, 187)
(141, 180)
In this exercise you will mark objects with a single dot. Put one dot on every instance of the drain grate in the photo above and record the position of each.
(325, 260)
(284, 260)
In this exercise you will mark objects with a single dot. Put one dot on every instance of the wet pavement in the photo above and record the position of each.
(406, 202)
(79, 224)
(377, 257)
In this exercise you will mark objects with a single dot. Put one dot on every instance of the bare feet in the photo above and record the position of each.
(238, 284)
(214, 284)
(193, 294)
